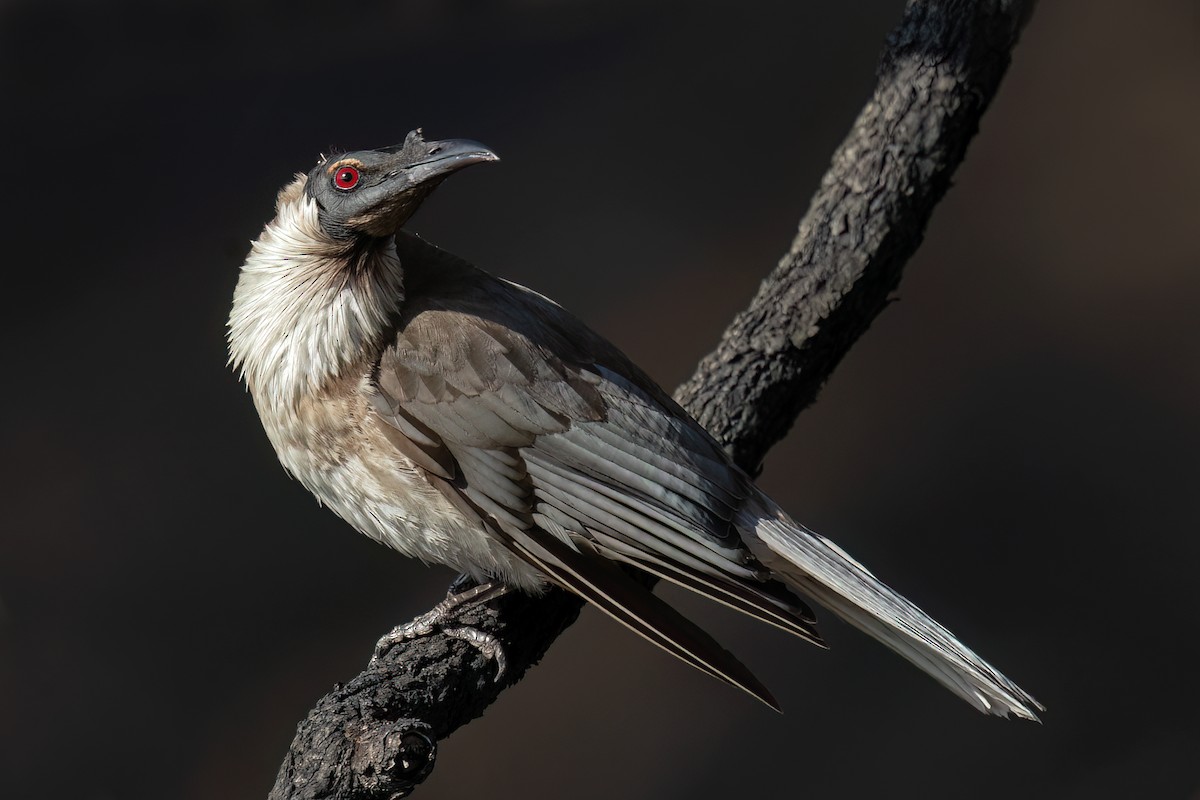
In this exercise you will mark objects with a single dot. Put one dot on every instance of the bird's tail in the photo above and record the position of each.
(823, 571)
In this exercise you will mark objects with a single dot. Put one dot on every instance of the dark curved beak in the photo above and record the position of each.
(420, 162)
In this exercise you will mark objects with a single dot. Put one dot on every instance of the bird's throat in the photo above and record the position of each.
(308, 306)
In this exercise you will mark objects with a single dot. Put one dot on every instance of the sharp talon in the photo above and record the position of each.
(501, 663)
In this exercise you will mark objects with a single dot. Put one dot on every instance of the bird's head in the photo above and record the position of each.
(374, 192)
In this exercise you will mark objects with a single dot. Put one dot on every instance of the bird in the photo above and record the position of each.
(465, 420)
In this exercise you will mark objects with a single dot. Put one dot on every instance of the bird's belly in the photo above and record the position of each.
(407, 514)
(356, 473)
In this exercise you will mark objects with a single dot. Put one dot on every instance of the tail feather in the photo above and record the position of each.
(827, 574)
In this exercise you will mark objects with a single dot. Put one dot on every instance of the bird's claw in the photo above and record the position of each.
(488, 646)
(434, 619)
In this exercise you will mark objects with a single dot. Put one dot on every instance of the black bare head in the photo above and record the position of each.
(374, 192)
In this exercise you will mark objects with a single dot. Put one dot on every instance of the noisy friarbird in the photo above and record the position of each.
(468, 421)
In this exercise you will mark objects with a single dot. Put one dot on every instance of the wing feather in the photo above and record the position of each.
(571, 457)
(624, 513)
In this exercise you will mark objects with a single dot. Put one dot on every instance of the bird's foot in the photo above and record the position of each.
(435, 619)
(488, 646)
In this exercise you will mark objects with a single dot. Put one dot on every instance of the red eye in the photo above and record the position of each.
(346, 178)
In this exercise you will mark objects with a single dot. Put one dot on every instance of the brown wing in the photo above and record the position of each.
(527, 419)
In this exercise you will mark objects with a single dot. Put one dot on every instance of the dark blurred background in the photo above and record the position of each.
(1014, 444)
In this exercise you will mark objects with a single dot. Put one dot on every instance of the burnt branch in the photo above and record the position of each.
(376, 736)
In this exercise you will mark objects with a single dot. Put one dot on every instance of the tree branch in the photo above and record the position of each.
(375, 737)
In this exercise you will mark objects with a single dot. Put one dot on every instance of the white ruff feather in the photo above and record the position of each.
(299, 314)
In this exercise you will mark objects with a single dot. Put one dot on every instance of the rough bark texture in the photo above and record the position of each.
(375, 737)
